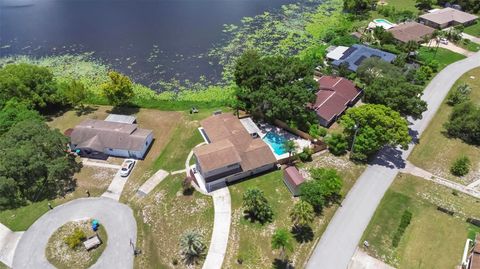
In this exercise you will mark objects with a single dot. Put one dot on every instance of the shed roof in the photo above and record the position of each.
(121, 118)
(293, 176)
(411, 31)
(447, 15)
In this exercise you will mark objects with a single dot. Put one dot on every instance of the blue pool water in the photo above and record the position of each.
(276, 141)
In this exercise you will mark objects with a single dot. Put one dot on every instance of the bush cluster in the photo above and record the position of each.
(404, 222)
(75, 239)
(461, 166)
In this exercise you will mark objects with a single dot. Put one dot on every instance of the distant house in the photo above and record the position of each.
(100, 139)
(356, 54)
(446, 17)
(411, 31)
(293, 179)
(232, 153)
(334, 96)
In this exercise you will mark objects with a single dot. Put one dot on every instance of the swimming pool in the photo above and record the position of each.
(383, 23)
(276, 142)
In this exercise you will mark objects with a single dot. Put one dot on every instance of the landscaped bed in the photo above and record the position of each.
(433, 239)
(436, 152)
(61, 255)
(163, 216)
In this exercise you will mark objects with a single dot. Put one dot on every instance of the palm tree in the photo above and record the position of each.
(291, 147)
(302, 214)
(192, 247)
(282, 239)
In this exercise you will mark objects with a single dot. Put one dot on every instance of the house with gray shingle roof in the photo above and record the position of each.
(356, 54)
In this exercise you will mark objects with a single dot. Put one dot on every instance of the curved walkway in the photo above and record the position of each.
(340, 239)
(117, 219)
(222, 206)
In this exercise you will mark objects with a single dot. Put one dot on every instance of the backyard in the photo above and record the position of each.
(436, 152)
(163, 216)
(433, 239)
(250, 242)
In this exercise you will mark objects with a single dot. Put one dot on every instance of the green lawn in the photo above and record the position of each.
(163, 216)
(470, 46)
(433, 239)
(473, 29)
(436, 152)
(443, 56)
(399, 6)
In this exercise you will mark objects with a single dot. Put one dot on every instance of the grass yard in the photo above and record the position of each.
(399, 6)
(251, 241)
(473, 29)
(93, 179)
(470, 46)
(433, 239)
(436, 152)
(163, 216)
(443, 56)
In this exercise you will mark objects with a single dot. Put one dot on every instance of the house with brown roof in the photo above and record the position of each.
(100, 139)
(293, 179)
(411, 31)
(447, 17)
(334, 96)
(474, 261)
(232, 152)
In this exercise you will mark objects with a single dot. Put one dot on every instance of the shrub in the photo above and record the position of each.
(459, 95)
(404, 222)
(461, 166)
(75, 239)
(337, 144)
(306, 154)
(316, 131)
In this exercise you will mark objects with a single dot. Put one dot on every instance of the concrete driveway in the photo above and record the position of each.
(340, 239)
(117, 219)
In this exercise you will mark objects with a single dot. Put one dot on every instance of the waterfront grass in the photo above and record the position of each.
(163, 216)
(436, 152)
(433, 239)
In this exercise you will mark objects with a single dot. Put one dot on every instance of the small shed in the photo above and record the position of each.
(293, 179)
(121, 118)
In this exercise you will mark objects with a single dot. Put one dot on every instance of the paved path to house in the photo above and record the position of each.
(362, 260)
(474, 184)
(88, 162)
(115, 188)
(152, 182)
(8, 243)
(419, 172)
(221, 229)
(340, 239)
(117, 219)
(471, 38)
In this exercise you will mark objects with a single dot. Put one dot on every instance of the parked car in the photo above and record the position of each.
(127, 167)
(444, 41)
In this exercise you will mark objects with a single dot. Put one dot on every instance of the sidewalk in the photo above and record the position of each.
(8, 243)
(152, 182)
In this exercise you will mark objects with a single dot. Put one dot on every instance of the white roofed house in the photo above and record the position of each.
(100, 139)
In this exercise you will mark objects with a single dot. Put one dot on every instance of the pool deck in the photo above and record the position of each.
(301, 143)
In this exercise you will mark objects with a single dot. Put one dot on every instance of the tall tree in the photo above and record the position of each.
(27, 83)
(329, 180)
(425, 4)
(358, 6)
(274, 86)
(291, 147)
(302, 214)
(33, 161)
(257, 206)
(192, 247)
(375, 126)
(14, 112)
(76, 93)
(282, 240)
(464, 123)
(312, 192)
(119, 90)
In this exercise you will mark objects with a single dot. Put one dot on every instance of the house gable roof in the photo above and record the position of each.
(447, 15)
(356, 54)
(411, 31)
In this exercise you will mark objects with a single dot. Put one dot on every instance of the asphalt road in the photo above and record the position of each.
(340, 239)
(117, 219)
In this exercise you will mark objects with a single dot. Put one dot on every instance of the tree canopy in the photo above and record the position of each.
(257, 206)
(31, 84)
(276, 87)
(33, 164)
(14, 112)
(302, 214)
(119, 90)
(375, 126)
(358, 6)
(464, 123)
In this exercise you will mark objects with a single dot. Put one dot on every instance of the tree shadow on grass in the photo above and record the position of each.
(124, 110)
(253, 219)
(302, 234)
(282, 264)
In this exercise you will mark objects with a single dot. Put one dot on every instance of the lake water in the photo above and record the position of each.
(149, 40)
